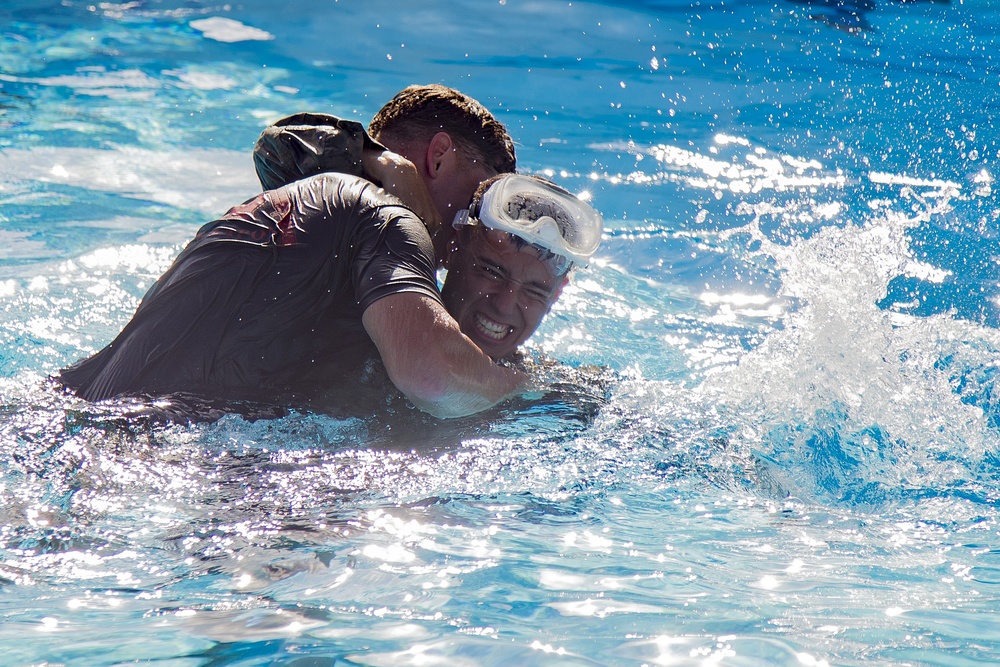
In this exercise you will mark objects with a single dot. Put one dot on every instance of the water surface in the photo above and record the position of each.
(770, 436)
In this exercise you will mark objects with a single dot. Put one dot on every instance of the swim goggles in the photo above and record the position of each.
(542, 215)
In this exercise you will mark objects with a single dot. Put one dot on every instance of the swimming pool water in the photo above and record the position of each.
(771, 434)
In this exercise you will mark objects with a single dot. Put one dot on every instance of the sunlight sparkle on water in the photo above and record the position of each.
(754, 172)
(766, 421)
(129, 258)
(602, 608)
(747, 305)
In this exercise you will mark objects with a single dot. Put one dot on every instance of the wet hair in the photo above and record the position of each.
(419, 112)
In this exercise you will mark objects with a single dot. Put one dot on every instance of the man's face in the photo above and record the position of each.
(497, 293)
(453, 191)
(451, 194)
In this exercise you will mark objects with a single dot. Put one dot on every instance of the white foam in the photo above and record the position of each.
(208, 181)
(222, 29)
(756, 171)
(840, 352)
(93, 78)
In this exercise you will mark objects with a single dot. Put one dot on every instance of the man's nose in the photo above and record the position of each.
(505, 298)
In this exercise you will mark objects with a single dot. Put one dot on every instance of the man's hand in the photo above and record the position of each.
(400, 177)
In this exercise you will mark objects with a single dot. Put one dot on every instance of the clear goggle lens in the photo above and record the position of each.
(541, 215)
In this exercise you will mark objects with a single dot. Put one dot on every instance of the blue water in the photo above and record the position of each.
(766, 430)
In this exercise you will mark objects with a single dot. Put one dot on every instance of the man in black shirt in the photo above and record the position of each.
(323, 276)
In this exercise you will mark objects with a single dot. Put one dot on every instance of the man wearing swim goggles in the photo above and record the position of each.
(511, 256)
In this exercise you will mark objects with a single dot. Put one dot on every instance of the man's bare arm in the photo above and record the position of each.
(432, 362)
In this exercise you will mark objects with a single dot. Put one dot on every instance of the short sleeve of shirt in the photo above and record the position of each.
(365, 231)
(394, 254)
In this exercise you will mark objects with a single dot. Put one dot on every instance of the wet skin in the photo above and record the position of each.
(497, 293)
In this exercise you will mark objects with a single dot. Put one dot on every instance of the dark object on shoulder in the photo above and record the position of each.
(307, 144)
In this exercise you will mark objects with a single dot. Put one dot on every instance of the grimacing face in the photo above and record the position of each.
(497, 293)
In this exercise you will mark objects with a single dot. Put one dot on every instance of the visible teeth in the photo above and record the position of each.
(492, 329)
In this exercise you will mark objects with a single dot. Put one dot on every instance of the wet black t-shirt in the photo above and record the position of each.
(267, 301)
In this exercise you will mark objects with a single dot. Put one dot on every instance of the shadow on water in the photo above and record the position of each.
(851, 16)
(9, 102)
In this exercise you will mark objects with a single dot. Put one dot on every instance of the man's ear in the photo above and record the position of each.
(451, 251)
(440, 155)
(558, 292)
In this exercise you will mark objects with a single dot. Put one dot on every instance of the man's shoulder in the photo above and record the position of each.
(338, 190)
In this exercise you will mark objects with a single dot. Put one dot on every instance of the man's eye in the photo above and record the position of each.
(537, 295)
(491, 272)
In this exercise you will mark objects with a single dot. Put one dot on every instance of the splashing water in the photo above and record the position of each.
(764, 430)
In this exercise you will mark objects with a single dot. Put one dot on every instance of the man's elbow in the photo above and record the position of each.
(433, 394)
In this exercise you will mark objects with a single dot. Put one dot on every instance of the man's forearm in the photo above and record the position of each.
(472, 383)
(429, 359)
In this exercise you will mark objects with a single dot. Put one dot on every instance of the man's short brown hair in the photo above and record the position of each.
(418, 112)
